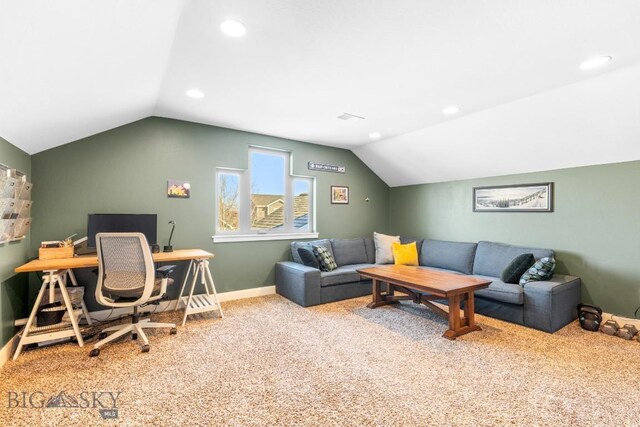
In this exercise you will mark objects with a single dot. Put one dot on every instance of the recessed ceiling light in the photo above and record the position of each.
(451, 110)
(195, 93)
(596, 62)
(374, 135)
(233, 28)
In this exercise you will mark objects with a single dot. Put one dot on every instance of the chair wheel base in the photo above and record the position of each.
(134, 336)
(173, 331)
(102, 335)
(94, 353)
(146, 348)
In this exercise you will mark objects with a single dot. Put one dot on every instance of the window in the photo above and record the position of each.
(264, 202)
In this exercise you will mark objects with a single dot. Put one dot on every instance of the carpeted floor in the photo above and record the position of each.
(271, 362)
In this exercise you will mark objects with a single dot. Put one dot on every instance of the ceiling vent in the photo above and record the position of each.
(347, 116)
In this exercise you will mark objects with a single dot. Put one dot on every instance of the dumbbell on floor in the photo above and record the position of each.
(627, 332)
(610, 327)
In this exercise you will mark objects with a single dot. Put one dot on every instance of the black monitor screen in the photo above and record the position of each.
(146, 224)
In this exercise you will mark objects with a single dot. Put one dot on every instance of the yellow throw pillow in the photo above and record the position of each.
(405, 254)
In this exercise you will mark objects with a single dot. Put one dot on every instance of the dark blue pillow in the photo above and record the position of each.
(309, 259)
(517, 267)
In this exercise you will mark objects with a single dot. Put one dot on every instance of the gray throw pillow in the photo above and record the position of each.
(517, 267)
(384, 243)
(308, 258)
(540, 271)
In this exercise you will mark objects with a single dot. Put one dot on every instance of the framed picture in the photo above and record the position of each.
(514, 198)
(339, 195)
(178, 189)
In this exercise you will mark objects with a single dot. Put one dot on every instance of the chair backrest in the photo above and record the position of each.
(125, 269)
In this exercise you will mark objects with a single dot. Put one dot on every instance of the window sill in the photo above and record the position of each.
(230, 238)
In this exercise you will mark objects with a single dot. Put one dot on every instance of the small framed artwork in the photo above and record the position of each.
(178, 189)
(339, 195)
(514, 198)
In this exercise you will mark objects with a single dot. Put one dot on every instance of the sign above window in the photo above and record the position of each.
(326, 168)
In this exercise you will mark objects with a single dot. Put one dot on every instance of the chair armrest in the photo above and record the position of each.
(299, 283)
(165, 270)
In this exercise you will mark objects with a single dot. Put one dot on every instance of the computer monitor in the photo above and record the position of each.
(146, 224)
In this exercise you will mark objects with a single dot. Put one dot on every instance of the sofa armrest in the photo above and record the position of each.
(299, 283)
(550, 305)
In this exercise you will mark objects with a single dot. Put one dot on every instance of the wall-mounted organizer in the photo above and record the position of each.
(15, 204)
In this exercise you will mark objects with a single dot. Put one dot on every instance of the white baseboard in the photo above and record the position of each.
(7, 351)
(247, 293)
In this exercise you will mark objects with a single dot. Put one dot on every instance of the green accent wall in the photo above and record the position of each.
(125, 170)
(594, 229)
(13, 287)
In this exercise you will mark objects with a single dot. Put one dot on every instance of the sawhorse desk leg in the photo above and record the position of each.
(50, 280)
(198, 303)
(74, 282)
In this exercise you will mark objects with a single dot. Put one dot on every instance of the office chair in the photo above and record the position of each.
(127, 278)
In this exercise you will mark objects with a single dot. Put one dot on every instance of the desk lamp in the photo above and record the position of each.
(168, 247)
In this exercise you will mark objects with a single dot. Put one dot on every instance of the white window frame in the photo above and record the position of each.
(245, 233)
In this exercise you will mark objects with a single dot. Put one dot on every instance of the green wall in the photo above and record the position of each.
(125, 170)
(13, 287)
(594, 229)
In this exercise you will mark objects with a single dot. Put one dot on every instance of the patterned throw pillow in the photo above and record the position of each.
(325, 259)
(541, 270)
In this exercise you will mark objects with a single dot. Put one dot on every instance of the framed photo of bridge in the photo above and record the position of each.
(514, 198)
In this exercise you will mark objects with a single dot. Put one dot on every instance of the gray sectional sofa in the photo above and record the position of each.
(547, 305)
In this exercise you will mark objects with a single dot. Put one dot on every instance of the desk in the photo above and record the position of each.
(56, 272)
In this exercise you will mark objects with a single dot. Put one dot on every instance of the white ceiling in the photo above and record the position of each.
(73, 68)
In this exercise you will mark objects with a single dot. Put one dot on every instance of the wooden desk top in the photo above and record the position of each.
(430, 281)
(88, 261)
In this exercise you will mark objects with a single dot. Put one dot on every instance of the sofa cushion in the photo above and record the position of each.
(516, 268)
(456, 256)
(371, 250)
(342, 275)
(325, 259)
(349, 251)
(500, 291)
(405, 254)
(492, 258)
(383, 242)
(308, 258)
(295, 245)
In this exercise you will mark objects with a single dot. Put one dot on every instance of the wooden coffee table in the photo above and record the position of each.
(415, 282)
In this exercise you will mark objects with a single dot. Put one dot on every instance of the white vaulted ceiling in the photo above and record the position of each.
(73, 68)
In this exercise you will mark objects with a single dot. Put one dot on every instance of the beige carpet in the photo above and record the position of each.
(271, 362)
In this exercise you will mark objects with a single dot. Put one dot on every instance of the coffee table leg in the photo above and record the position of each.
(457, 326)
(378, 298)
(377, 293)
(469, 310)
